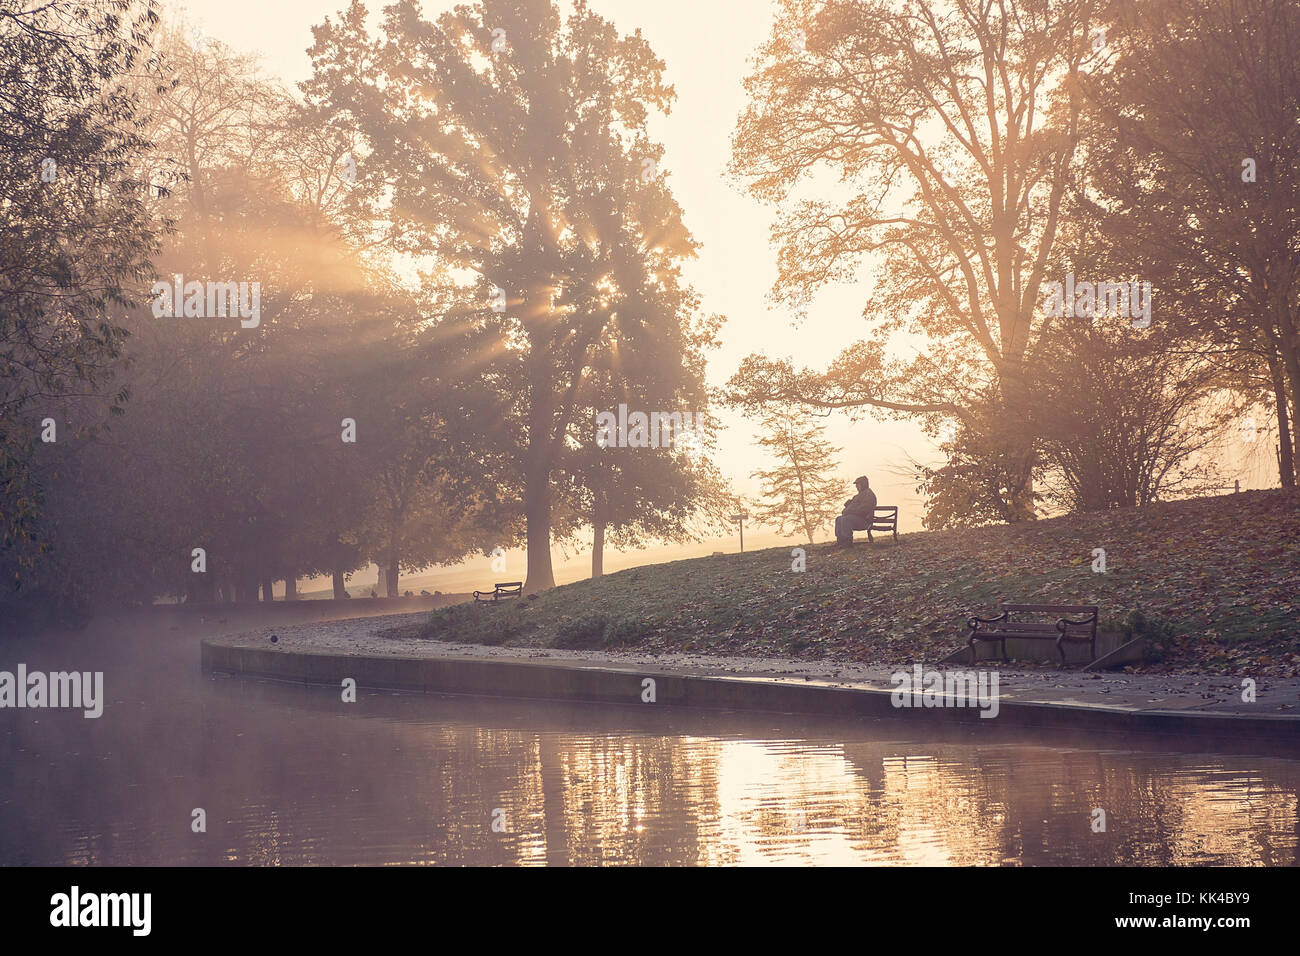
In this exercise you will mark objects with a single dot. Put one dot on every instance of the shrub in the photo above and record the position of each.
(627, 633)
(583, 633)
(596, 632)
(1159, 635)
(476, 624)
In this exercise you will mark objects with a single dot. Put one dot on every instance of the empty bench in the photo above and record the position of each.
(885, 519)
(1073, 623)
(507, 589)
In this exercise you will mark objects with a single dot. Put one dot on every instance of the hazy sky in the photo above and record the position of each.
(707, 46)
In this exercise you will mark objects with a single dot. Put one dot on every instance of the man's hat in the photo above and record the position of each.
(861, 480)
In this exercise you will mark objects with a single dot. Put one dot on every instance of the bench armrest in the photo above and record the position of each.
(986, 620)
(1090, 619)
(1064, 623)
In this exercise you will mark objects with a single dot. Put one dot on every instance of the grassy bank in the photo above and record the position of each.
(1215, 579)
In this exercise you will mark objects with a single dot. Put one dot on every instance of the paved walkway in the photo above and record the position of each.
(1133, 693)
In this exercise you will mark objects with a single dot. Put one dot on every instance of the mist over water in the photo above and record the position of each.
(288, 774)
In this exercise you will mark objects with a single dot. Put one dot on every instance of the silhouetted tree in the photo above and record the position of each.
(77, 239)
(1195, 182)
(954, 126)
(802, 491)
(515, 147)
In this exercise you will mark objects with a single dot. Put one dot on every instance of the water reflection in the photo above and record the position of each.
(289, 774)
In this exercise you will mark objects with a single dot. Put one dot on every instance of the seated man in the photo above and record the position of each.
(858, 513)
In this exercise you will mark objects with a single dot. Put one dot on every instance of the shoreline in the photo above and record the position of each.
(1208, 707)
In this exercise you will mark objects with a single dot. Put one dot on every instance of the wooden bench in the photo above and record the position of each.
(507, 589)
(885, 519)
(1079, 626)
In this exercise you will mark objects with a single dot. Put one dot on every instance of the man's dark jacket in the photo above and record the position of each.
(863, 504)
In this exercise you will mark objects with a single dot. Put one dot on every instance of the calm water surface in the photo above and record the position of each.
(289, 774)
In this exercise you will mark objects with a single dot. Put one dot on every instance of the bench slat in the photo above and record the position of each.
(1004, 627)
(1052, 608)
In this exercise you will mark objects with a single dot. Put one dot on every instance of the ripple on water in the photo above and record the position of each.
(288, 774)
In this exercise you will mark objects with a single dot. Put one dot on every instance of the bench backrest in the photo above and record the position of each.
(1089, 609)
(509, 586)
(885, 518)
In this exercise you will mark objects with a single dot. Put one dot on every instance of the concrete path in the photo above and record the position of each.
(1138, 702)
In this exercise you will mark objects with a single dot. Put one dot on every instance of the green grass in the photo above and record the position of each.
(1216, 580)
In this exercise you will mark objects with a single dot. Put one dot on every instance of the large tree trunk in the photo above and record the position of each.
(1287, 341)
(291, 588)
(1292, 366)
(1017, 445)
(339, 590)
(541, 413)
(598, 549)
(268, 590)
(1286, 456)
(537, 515)
(393, 545)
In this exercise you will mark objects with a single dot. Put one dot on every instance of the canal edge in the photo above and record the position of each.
(610, 684)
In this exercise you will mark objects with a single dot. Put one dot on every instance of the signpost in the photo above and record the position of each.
(741, 518)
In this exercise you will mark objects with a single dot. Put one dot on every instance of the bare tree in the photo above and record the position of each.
(954, 125)
(802, 491)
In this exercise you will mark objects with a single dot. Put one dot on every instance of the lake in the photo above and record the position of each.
(289, 774)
